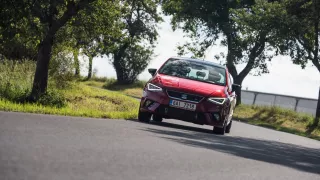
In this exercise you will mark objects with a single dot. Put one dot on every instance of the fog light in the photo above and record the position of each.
(147, 103)
(216, 116)
(144, 94)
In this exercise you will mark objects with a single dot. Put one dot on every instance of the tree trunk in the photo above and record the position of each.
(315, 60)
(90, 67)
(238, 80)
(76, 62)
(318, 107)
(40, 81)
(119, 70)
(118, 55)
(232, 68)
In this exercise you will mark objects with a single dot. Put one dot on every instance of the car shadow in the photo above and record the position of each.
(289, 155)
(174, 126)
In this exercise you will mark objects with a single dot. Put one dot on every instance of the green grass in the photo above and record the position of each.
(279, 119)
(76, 99)
(84, 101)
(133, 90)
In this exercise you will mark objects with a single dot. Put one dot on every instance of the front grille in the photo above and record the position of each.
(177, 113)
(184, 96)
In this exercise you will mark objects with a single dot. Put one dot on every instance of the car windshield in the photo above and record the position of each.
(194, 70)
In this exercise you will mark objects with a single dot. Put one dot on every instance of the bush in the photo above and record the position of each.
(16, 78)
(61, 70)
(113, 84)
(99, 79)
(52, 98)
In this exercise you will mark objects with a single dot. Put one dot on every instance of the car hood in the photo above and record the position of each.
(190, 86)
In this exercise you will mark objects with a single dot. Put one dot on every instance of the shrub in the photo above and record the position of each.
(52, 98)
(61, 70)
(112, 83)
(16, 79)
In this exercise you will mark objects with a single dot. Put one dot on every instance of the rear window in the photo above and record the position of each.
(195, 71)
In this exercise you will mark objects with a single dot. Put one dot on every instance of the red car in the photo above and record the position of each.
(191, 90)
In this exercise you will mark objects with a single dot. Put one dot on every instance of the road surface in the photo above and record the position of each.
(46, 147)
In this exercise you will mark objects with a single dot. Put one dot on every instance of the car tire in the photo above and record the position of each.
(157, 118)
(144, 116)
(219, 130)
(228, 128)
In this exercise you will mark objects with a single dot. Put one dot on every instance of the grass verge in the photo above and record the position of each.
(85, 101)
(279, 119)
(133, 90)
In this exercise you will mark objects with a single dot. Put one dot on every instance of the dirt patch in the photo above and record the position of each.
(75, 99)
(104, 98)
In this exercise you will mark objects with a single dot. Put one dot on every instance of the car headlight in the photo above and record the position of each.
(152, 87)
(217, 100)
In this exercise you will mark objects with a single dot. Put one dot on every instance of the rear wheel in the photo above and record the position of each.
(218, 130)
(144, 116)
(157, 118)
(228, 128)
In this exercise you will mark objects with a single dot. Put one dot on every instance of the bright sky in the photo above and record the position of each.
(284, 77)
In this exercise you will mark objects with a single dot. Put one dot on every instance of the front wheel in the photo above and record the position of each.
(218, 130)
(144, 116)
(157, 118)
(228, 128)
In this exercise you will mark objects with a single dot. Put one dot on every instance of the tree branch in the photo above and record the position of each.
(36, 11)
(72, 9)
(254, 53)
(315, 59)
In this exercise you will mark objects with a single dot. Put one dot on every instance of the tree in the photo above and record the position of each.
(301, 40)
(18, 38)
(47, 17)
(295, 28)
(90, 51)
(205, 20)
(91, 29)
(133, 49)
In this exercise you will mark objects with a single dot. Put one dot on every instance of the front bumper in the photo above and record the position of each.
(206, 113)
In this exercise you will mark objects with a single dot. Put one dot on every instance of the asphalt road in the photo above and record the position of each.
(45, 147)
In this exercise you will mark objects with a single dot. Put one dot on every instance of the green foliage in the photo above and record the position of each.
(52, 98)
(279, 119)
(135, 59)
(82, 100)
(302, 38)
(293, 25)
(16, 79)
(43, 20)
(204, 21)
(112, 84)
(19, 37)
(134, 48)
(61, 68)
(94, 29)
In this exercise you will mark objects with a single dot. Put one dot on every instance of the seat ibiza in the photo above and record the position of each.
(191, 90)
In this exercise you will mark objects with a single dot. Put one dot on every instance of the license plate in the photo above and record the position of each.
(183, 105)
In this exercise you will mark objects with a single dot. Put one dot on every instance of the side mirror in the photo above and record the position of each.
(152, 71)
(235, 86)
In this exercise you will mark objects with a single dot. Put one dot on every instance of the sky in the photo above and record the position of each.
(283, 78)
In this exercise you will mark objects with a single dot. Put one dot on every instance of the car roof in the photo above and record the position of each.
(199, 61)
